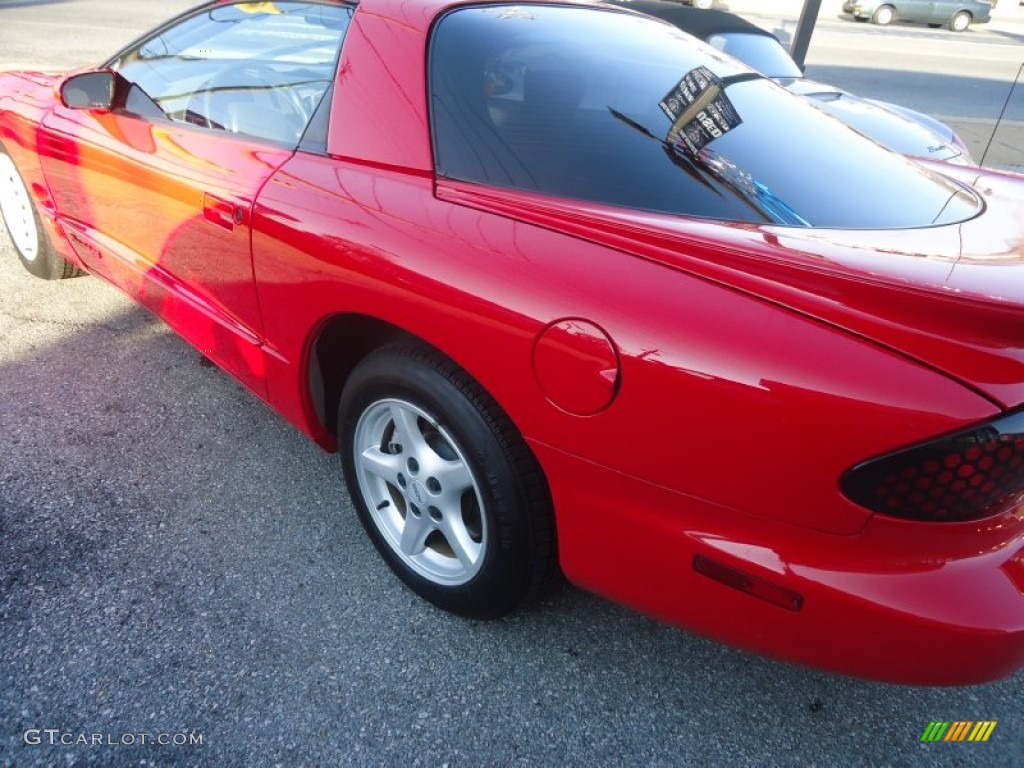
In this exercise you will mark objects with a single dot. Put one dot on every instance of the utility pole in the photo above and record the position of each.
(804, 29)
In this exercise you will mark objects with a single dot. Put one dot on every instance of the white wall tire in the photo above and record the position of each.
(960, 22)
(16, 208)
(884, 16)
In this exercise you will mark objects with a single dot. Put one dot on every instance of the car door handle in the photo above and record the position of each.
(221, 213)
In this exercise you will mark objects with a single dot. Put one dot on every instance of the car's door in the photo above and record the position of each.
(156, 194)
(940, 11)
(915, 10)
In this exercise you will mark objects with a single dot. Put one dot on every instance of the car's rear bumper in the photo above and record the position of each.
(908, 602)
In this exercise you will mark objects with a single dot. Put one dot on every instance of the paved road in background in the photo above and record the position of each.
(176, 559)
(964, 79)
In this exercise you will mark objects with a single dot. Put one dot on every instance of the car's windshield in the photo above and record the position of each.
(258, 69)
(759, 52)
(616, 108)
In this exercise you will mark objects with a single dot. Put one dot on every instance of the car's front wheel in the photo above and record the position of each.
(960, 21)
(884, 16)
(32, 244)
(451, 496)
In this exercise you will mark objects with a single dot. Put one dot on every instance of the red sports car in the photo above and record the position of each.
(567, 288)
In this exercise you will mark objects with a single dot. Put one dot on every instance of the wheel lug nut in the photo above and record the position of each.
(435, 514)
(433, 486)
(414, 466)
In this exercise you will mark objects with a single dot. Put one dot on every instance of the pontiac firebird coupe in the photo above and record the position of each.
(566, 287)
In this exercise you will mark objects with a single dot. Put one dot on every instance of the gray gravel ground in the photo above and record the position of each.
(175, 559)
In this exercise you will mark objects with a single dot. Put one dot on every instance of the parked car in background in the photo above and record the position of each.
(566, 287)
(899, 128)
(958, 15)
(704, 4)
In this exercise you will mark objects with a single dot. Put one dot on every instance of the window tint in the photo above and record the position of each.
(259, 69)
(586, 103)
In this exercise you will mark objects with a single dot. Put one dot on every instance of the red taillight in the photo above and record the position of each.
(963, 476)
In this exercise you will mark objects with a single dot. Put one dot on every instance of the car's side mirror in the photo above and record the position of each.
(89, 90)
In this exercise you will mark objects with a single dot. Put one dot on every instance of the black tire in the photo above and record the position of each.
(884, 15)
(960, 22)
(25, 229)
(408, 413)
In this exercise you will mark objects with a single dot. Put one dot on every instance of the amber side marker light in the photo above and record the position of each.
(745, 582)
(964, 476)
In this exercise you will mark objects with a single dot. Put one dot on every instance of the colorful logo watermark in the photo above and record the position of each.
(959, 730)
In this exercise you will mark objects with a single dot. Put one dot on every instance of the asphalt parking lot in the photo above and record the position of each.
(178, 564)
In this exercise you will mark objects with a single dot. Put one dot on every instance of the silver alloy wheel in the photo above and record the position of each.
(420, 491)
(16, 207)
(960, 22)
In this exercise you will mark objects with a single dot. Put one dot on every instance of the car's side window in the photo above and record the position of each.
(564, 101)
(254, 68)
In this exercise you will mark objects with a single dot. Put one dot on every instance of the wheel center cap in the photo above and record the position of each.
(417, 493)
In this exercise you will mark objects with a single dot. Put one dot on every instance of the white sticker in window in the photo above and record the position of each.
(700, 111)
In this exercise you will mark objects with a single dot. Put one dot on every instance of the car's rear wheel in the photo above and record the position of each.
(884, 15)
(32, 244)
(960, 21)
(443, 483)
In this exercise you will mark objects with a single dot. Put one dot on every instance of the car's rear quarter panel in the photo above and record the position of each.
(723, 397)
(734, 419)
(713, 382)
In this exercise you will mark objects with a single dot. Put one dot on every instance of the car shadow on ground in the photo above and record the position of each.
(175, 558)
(1013, 36)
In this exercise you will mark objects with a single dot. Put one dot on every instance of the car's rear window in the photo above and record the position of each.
(610, 107)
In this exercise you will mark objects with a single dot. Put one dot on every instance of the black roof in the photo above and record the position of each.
(702, 24)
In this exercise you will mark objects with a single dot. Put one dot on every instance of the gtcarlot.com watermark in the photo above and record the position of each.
(56, 737)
